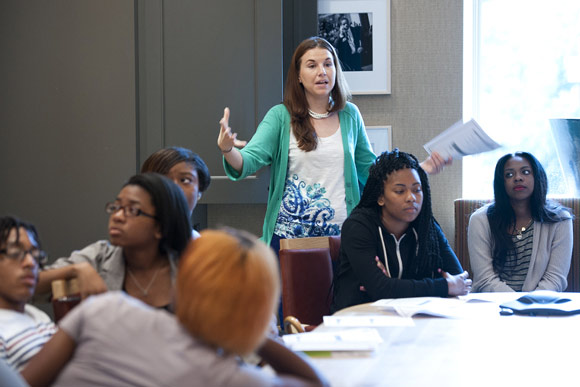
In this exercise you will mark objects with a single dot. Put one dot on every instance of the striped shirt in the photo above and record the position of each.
(22, 335)
(517, 262)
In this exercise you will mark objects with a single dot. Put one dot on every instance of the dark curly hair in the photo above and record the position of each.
(501, 215)
(7, 223)
(428, 260)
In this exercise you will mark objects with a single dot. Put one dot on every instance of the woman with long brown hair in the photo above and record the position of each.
(316, 145)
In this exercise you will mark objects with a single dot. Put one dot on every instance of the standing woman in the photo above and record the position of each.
(391, 245)
(316, 145)
(521, 241)
(149, 228)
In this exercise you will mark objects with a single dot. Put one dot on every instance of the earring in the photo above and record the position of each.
(198, 195)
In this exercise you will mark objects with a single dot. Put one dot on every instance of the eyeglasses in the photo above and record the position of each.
(18, 254)
(129, 211)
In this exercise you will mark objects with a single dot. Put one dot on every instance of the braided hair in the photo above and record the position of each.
(428, 259)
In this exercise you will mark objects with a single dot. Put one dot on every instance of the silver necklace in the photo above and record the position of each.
(145, 290)
(318, 116)
(519, 233)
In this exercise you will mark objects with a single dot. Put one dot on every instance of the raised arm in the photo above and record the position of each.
(363, 152)
(228, 143)
(263, 147)
(292, 370)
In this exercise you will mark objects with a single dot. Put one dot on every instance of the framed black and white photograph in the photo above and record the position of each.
(360, 32)
(380, 138)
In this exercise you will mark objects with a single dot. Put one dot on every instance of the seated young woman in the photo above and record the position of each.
(185, 168)
(391, 245)
(521, 241)
(23, 328)
(227, 288)
(149, 228)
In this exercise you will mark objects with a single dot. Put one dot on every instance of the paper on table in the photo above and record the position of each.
(364, 339)
(375, 320)
(432, 306)
(461, 139)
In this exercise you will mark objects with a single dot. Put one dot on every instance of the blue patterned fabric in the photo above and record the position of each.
(305, 211)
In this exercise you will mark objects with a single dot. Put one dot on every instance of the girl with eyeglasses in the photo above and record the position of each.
(149, 227)
(23, 328)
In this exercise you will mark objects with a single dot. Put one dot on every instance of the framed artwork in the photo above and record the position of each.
(380, 138)
(360, 32)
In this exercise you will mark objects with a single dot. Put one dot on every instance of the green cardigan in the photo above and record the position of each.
(270, 146)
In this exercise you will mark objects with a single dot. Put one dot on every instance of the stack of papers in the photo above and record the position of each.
(364, 339)
(461, 139)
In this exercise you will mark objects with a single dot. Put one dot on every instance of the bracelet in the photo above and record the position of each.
(228, 151)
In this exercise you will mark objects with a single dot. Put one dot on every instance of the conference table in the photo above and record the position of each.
(477, 348)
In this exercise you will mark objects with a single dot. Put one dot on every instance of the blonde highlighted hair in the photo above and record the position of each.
(227, 289)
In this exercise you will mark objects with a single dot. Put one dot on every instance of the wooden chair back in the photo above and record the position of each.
(307, 272)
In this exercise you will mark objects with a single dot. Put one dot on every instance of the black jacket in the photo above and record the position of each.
(361, 243)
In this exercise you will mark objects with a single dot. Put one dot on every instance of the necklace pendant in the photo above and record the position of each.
(519, 236)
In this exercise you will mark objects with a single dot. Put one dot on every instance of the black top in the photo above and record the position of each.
(361, 243)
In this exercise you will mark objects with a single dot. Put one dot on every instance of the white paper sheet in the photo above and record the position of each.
(364, 339)
(432, 306)
(461, 139)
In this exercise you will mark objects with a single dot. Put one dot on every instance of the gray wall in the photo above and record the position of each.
(426, 78)
(67, 114)
(427, 72)
(68, 126)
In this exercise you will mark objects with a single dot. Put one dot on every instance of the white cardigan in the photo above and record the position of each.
(549, 263)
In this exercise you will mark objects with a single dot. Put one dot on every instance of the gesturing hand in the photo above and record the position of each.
(226, 139)
(435, 163)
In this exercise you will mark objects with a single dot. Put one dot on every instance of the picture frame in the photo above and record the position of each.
(380, 138)
(360, 32)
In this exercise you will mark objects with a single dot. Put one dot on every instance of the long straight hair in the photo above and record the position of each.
(428, 259)
(295, 97)
(501, 215)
